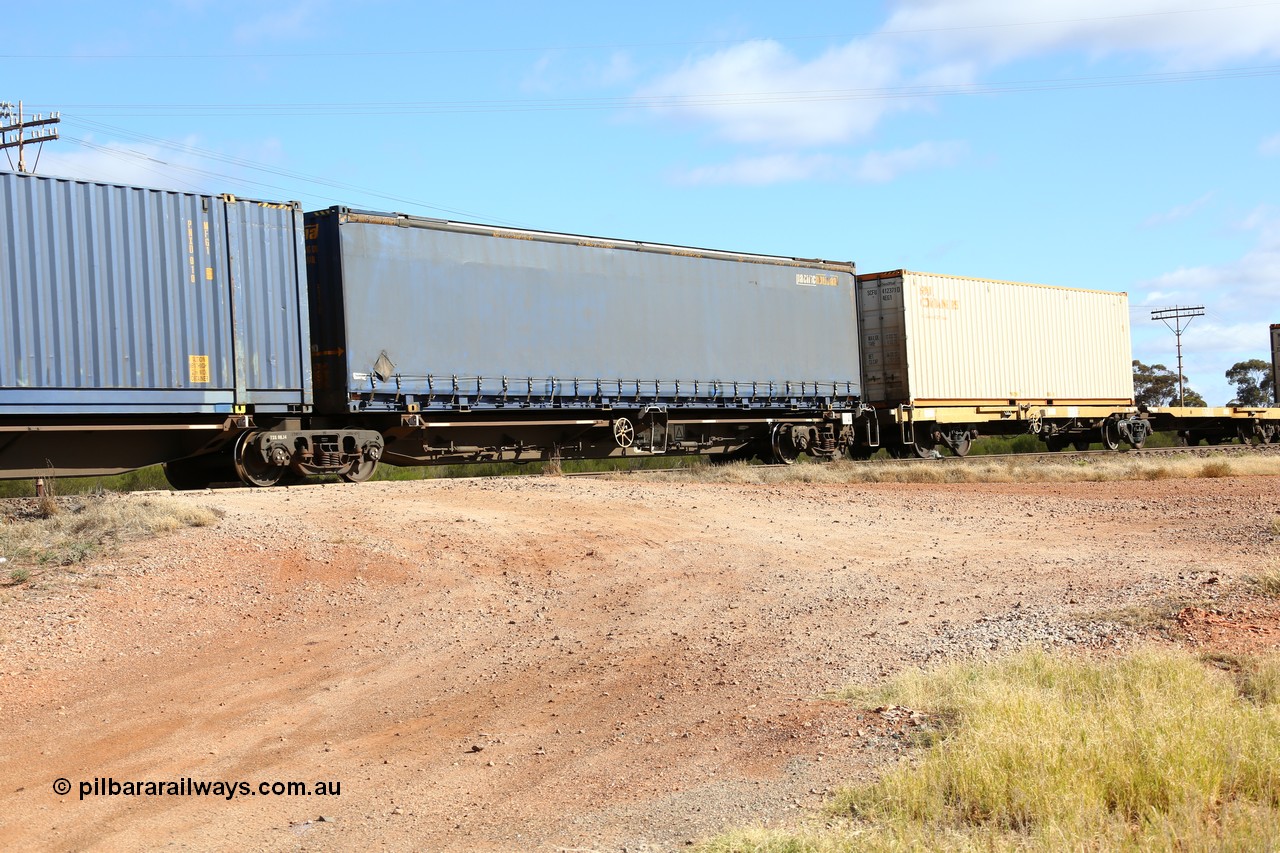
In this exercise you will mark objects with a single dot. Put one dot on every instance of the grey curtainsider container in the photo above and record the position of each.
(931, 339)
(421, 314)
(119, 300)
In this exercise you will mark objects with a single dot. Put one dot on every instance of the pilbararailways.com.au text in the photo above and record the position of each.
(188, 787)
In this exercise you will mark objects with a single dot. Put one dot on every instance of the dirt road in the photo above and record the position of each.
(542, 664)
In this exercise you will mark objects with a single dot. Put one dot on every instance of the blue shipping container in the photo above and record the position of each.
(124, 300)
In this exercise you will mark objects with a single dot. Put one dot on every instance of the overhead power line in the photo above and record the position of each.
(631, 45)
(720, 99)
(149, 161)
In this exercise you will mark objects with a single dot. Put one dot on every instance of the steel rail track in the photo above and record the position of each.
(1155, 452)
(1064, 455)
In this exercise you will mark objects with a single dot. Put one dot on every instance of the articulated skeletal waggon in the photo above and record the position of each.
(243, 340)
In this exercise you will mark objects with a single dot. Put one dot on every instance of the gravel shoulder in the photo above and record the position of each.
(545, 663)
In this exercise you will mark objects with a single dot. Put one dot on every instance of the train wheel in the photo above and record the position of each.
(784, 449)
(1110, 435)
(360, 471)
(1080, 444)
(251, 468)
(960, 445)
(1257, 433)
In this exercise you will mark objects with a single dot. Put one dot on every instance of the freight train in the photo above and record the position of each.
(230, 339)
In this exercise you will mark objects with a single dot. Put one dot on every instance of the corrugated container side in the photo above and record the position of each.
(929, 337)
(268, 276)
(552, 319)
(119, 299)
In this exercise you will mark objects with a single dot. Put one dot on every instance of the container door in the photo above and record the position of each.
(271, 349)
(1275, 363)
(883, 338)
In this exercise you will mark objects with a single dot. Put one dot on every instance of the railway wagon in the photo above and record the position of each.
(142, 326)
(1224, 424)
(945, 358)
(466, 343)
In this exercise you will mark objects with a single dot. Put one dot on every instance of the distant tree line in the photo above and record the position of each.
(1157, 385)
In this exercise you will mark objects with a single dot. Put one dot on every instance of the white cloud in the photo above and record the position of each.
(762, 93)
(1270, 147)
(759, 92)
(769, 169)
(136, 164)
(555, 71)
(1177, 212)
(873, 167)
(1239, 298)
(883, 166)
(619, 70)
(282, 23)
(1200, 34)
(542, 75)
(1246, 284)
(179, 166)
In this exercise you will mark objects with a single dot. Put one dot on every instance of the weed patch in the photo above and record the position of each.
(1154, 750)
(1004, 470)
(33, 535)
(1216, 469)
(1267, 581)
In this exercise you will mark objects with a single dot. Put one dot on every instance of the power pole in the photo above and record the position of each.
(13, 132)
(1177, 315)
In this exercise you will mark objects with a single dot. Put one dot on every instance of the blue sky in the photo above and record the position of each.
(1115, 144)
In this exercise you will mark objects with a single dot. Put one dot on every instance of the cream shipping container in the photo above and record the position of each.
(946, 359)
(937, 339)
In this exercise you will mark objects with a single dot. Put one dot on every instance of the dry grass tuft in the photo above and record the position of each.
(1267, 581)
(1154, 750)
(1119, 466)
(47, 506)
(34, 536)
(1217, 469)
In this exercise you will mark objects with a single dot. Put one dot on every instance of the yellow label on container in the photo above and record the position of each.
(198, 368)
(208, 273)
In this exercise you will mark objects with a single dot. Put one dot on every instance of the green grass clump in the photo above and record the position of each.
(1154, 750)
